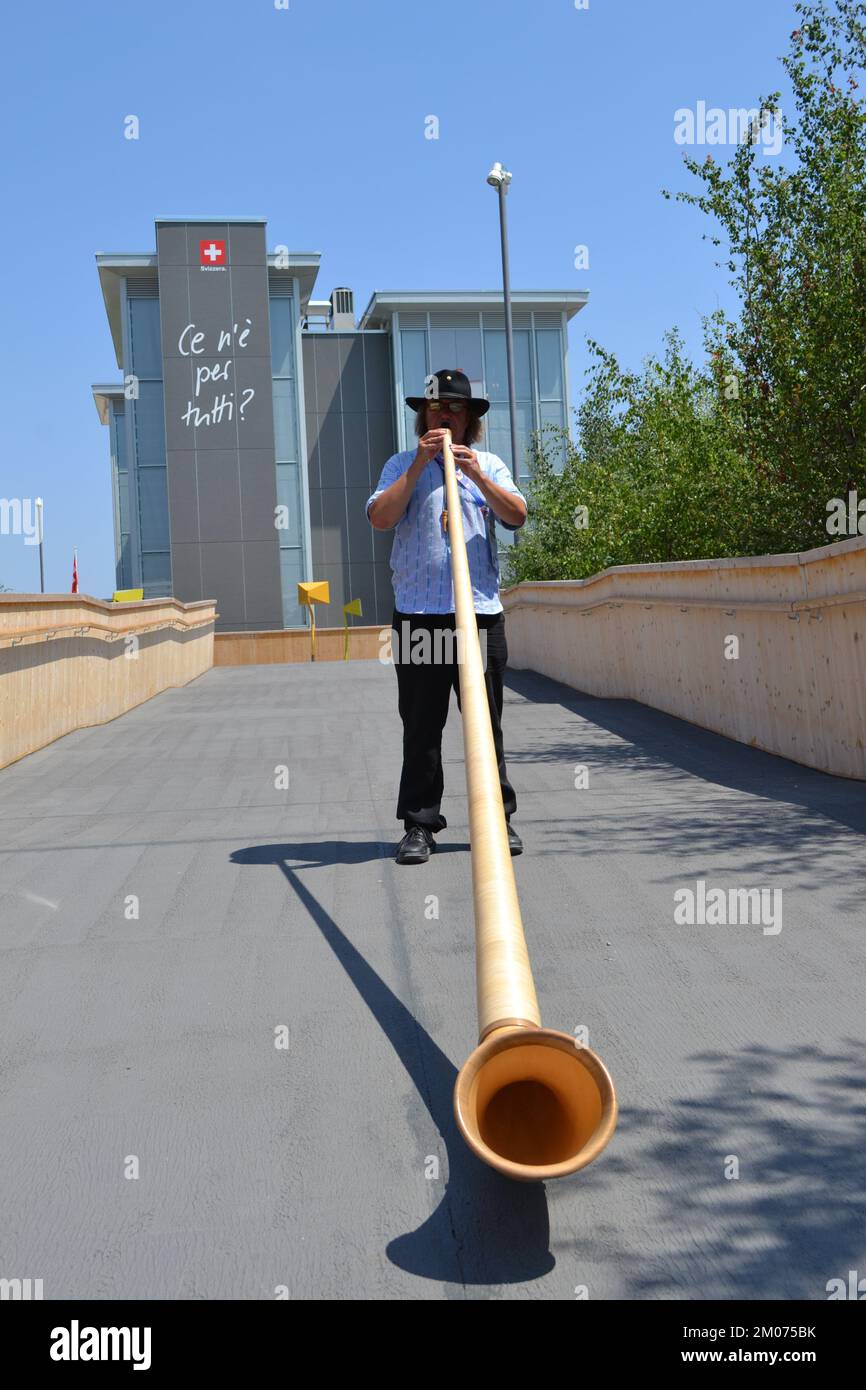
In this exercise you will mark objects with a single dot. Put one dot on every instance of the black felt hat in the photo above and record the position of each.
(453, 385)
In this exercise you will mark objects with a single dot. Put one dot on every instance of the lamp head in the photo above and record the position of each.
(498, 176)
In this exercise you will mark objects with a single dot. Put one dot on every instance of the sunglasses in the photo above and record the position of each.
(455, 407)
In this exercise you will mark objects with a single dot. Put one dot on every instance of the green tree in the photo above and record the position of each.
(740, 456)
(654, 476)
(791, 370)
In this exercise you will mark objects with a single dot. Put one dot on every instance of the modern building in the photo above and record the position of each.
(252, 421)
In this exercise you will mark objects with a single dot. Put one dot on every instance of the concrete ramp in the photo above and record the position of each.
(230, 1024)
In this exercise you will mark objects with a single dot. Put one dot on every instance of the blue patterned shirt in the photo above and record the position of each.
(421, 557)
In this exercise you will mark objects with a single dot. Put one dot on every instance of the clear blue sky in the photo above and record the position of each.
(313, 117)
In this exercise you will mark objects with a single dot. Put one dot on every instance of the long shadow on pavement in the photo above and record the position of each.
(654, 741)
(487, 1229)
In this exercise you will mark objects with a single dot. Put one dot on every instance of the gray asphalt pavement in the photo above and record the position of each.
(169, 915)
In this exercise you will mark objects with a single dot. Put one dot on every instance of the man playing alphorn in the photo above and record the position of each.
(410, 496)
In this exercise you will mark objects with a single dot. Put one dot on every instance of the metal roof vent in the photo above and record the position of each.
(342, 309)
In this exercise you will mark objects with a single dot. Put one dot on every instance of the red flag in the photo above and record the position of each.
(75, 571)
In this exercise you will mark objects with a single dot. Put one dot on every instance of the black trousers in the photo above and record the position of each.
(424, 693)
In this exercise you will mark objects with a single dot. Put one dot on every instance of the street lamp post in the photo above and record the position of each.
(499, 179)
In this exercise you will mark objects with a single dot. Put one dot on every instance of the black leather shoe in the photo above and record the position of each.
(415, 847)
(515, 844)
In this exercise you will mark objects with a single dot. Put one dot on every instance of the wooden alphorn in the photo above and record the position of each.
(532, 1102)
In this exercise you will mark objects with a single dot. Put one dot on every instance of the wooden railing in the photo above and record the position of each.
(293, 644)
(769, 649)
(68, 661)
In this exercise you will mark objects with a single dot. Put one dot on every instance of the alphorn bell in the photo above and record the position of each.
(530, 1101)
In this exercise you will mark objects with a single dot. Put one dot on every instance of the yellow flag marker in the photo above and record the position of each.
(354, 606)
(314, 591)
(127, 596)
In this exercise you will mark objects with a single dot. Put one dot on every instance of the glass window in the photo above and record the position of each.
(123, 501)
(496, 362)
(497, 432)
(289, 496)
(457, 347)
(467, 356)
(548, 346)
(413, 346)
(144, 337)
(292, 574)
(149, 424)
(124, 569)
(282, 309)
(285, 430)
(443, 350)
(413, 350)
(553, 414)
(118, 432)
(286, 439)
(156, 574)
(496, 365)
(153, 508)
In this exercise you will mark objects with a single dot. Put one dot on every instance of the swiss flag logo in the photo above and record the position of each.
(212, 253)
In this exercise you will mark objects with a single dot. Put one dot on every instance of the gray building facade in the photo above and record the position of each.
(252, 421)
(349, 396)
